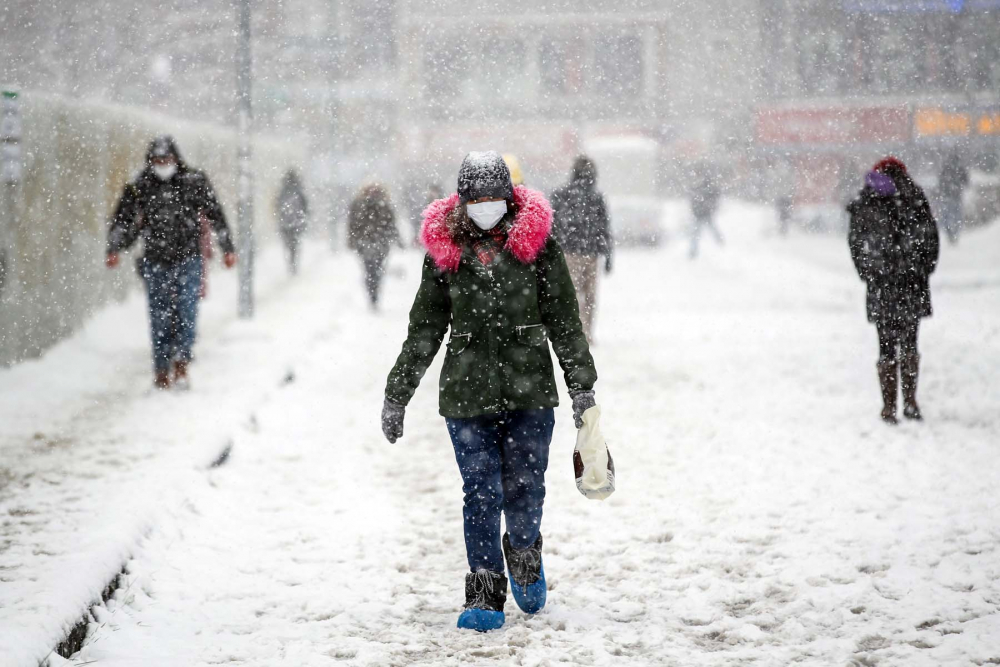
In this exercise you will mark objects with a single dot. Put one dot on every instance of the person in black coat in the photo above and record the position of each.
(704, 201)
(371, 232)
(894, 244)
(165, 206)
(292, 209)
(581, 225)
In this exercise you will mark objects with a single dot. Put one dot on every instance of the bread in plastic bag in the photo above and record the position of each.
(592, 462)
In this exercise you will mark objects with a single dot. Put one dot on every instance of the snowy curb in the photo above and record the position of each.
(78, 632)
(75, 638)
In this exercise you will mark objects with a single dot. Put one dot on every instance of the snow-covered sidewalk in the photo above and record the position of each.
(90, 456)
(763, 515)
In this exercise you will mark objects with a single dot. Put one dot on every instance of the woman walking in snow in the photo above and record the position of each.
(894, 244)
(497, 279)
(371, 232)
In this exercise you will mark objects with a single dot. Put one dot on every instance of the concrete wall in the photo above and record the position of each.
(77, 158)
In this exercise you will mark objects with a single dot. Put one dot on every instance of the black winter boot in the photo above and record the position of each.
(909, 370)
(485, 596)
(888, 379)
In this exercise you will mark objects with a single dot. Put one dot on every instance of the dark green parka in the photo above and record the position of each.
(502, 317)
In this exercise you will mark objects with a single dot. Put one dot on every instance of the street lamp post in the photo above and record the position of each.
(244, 184)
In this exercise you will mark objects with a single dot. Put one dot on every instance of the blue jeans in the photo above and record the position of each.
(502, 458)
(173, 291)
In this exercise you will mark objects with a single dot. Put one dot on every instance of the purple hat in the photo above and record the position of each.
(882, 184)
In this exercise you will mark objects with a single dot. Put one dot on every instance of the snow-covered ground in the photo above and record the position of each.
(763, 515)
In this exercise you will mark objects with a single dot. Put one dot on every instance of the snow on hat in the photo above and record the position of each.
(484, 174)
(888, 165)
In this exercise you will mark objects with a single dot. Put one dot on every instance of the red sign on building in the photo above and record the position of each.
(846, 126)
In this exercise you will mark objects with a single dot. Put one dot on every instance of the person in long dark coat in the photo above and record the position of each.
(292, 209)
(581, 224)
(371, 232)
(894, 243)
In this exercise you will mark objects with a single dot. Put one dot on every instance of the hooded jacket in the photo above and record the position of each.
(292, 206)
(371, 222)
(167, 214)
(894, 245)
(580, 214)
(502, 317)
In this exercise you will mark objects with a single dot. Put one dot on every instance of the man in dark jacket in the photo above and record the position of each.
(704, 200)
(951, 184)
(165, 206)
(292, 209)
(371, 232)
(581, 226)
(894, 244)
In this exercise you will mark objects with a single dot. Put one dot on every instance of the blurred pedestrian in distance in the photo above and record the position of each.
(292, 210)
(951, 186)
(494, 276)
(782, 181)
(514, 166)
(581, 225)
(705, 196)
(371, 232)
(165, 206)
(894, 244)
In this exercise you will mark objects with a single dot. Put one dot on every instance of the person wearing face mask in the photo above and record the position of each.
(164, 206)
(497, 279)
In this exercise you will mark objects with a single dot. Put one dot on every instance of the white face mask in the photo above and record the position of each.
(165, 172)
(487, 214)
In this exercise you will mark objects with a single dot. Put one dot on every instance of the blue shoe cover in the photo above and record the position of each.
(481, 620)
(530, 598)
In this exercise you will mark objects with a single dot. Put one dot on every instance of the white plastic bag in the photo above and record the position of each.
(592, 463)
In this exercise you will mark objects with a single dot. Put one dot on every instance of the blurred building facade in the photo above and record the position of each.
(399, 89)
(851, 80)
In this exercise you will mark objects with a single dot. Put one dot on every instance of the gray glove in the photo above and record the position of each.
(582, 401)
(392, 420)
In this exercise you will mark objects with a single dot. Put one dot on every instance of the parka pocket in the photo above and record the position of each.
(532, 334)
(458, 342)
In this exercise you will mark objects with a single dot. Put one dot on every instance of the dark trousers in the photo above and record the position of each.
(173, 291)
(502, 458)
(374, 270)
(701, 223)
(897, 339)
(291, 240)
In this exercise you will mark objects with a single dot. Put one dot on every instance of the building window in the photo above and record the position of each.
(500, 71)
(446, 66)
(560, 65)
(373, 33)
(618, 66)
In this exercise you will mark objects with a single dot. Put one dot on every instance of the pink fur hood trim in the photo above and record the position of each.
(525, 240)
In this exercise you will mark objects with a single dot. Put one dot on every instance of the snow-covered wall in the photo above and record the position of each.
(77, 158)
